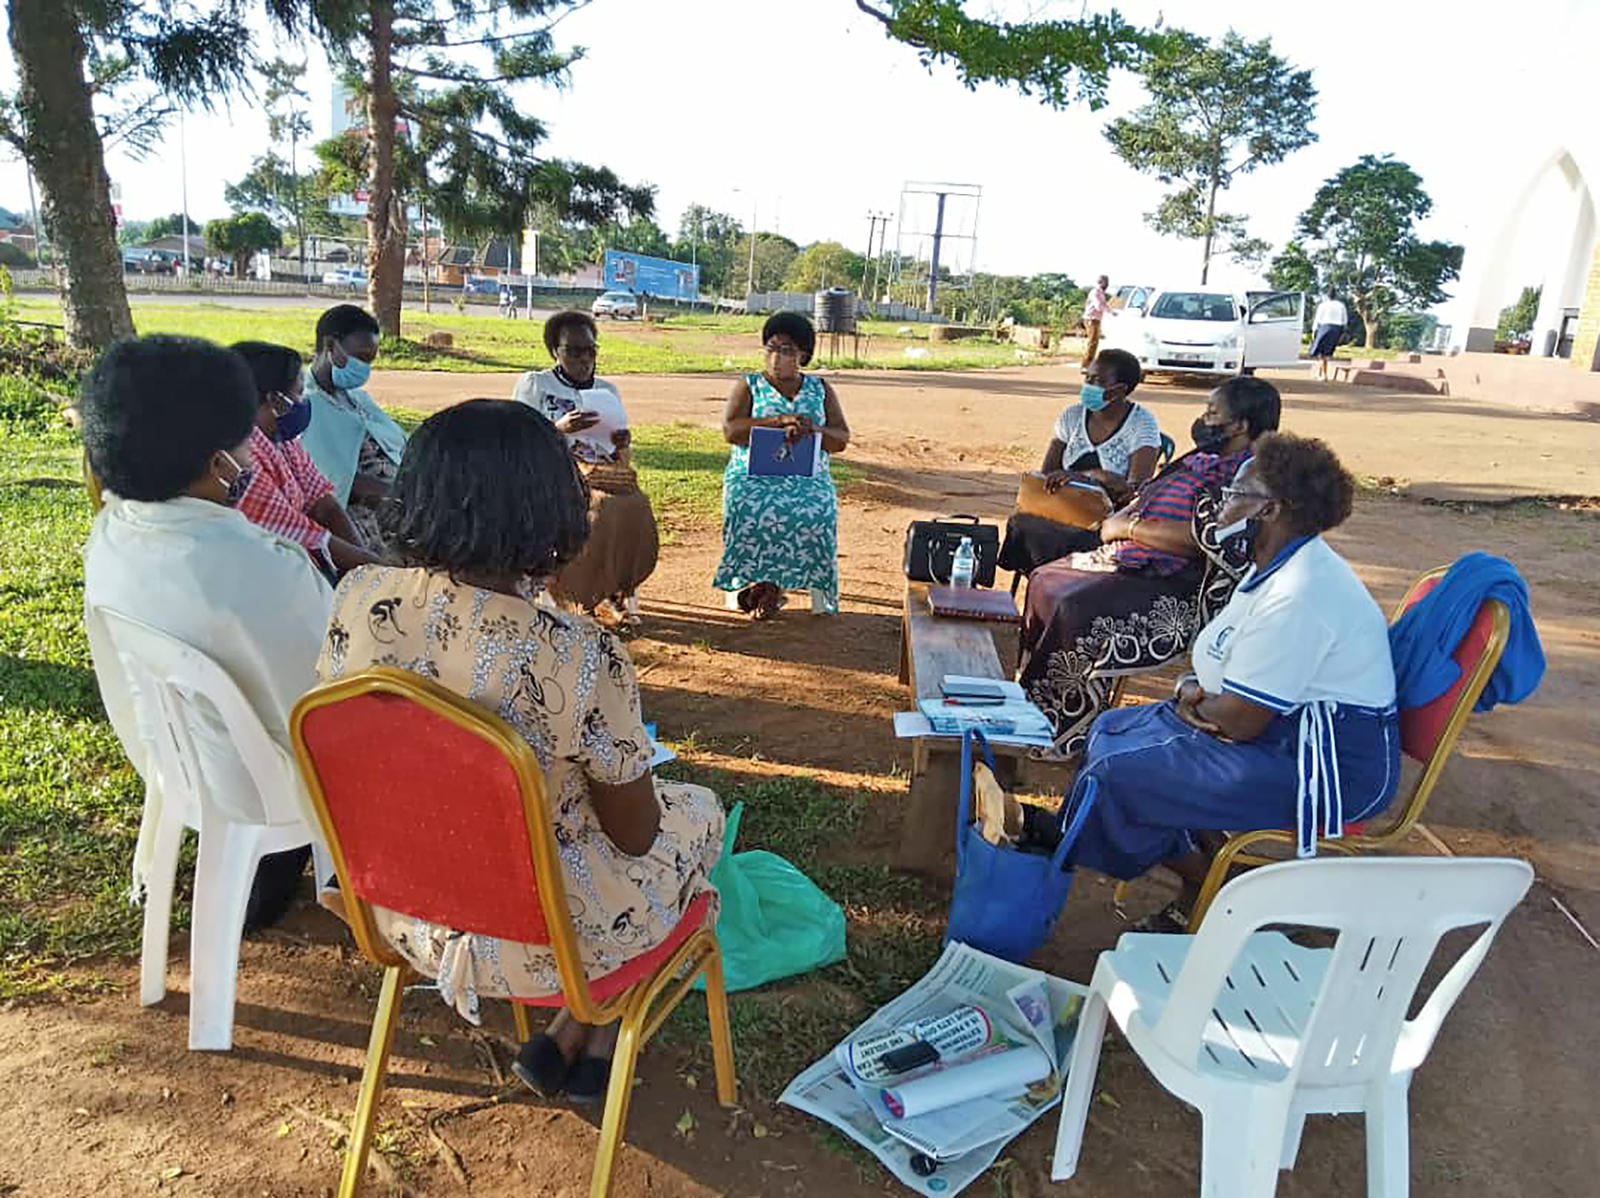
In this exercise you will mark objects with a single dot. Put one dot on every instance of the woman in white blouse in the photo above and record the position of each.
(167, 426)
(623, 542)
(1105, 438)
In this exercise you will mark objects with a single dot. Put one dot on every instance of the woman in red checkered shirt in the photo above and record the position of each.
(288, 495)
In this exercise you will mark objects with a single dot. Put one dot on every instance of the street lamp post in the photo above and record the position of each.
(750, 281)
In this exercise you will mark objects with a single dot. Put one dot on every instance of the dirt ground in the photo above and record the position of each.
(98, 1096)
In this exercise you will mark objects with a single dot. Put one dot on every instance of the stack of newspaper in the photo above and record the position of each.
(1002, 1034)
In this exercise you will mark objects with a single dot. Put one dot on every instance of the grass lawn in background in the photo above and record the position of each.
(685, 343)
(69, 800)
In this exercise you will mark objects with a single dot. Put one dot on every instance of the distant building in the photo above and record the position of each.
(173, 243)
(1544, 231)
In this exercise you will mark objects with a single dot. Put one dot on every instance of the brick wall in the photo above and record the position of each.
(1587, 338)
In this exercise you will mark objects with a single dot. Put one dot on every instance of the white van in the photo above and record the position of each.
(1203, 331)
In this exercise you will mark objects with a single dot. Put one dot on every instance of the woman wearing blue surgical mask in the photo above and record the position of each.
(1104, 438)
(351, 439)
(287, 494)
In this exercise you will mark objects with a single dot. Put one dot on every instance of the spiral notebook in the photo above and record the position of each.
(772, 455)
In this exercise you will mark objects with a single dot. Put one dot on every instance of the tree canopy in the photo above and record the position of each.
(446, 127)
(97, 71)
(825, 264)
(1360, 234)
(241, 237)
(171, 225)
(711, 239)
(1217, 111)
(1517, 319)
(1060, 61)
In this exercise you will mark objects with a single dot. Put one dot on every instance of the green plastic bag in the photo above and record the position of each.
(775, 921)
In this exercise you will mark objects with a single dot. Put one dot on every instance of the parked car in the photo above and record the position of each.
(146, 262)
(615, 304)
(477, 285)
(346, 277)
(1205, 331)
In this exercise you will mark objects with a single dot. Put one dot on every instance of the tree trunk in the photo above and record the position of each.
(1211, 215)
(62, 145)
(386, 245)
(1369, 323)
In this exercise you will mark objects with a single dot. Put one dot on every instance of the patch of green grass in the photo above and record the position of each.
(894, 927)
(686, 343)
(69, 801)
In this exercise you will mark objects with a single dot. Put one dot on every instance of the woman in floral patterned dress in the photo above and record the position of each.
(781, 532)
(488, 507)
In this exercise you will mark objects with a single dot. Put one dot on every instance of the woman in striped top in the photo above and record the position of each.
(1136, 601)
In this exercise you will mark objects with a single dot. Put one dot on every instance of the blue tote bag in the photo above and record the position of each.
(1006, 901)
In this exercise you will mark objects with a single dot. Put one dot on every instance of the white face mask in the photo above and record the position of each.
(1228, 531)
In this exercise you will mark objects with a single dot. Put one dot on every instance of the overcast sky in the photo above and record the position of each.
(805, 112)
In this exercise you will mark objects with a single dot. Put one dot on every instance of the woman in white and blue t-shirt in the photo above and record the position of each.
(1289, 718)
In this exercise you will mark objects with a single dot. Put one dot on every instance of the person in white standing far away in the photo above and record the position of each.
(1330, 321)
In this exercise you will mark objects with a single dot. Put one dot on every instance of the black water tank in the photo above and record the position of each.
(835, 310)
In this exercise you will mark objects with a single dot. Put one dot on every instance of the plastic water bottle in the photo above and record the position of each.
(963, 564)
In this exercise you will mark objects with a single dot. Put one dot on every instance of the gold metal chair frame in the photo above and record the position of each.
(642, 1008)
(1233, 854)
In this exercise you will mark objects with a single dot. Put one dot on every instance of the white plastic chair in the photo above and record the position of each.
(171, 678)
(1258, 1033)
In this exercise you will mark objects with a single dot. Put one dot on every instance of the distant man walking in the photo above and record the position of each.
(1094, 311)
(1329, 321)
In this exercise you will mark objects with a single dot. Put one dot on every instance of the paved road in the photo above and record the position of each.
(442, 296)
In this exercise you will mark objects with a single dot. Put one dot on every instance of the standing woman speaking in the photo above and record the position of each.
(781, 532)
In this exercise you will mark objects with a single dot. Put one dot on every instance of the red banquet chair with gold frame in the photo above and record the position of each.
(412, 783)
(1428, 735)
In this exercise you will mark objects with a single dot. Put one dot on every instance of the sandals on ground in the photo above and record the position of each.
(541, 1067)
(588, 1080)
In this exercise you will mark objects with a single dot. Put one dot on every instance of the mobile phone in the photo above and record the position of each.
(972, 691)
(911, 1056)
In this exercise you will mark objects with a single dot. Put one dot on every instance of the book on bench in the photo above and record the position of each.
(973, 603)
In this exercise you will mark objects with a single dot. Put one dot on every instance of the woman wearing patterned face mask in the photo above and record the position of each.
(288, 495)
(352, 440)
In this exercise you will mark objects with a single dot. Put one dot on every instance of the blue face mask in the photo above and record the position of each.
(1093, 396)
(354, 373)
(295, 421)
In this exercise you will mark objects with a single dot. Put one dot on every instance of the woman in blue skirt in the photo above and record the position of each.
(780, 532)
(1288, 720)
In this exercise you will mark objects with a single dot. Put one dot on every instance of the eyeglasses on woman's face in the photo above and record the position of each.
(1234, 494)
(577, 351)
(782, 349)
(280, 403)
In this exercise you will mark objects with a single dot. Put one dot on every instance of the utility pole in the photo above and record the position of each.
(183, 172)
(750, 284)
(38, 229)
(871, 263)
(933, 269)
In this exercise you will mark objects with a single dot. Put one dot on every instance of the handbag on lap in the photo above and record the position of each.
(1077, 505)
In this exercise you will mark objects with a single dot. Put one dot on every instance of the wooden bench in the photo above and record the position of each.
(930, 647)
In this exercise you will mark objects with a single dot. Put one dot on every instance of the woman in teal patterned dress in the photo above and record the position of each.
(781, 534)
